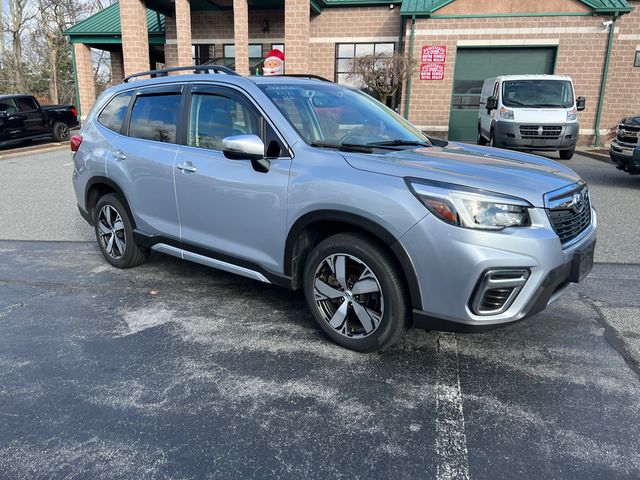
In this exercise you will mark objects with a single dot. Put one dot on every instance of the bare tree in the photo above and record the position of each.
(18, 18)
(383, 73)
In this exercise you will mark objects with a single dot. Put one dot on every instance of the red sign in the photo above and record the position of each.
(434, 54)
(432, 71)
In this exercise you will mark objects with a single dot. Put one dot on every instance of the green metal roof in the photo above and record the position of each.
(107, 23)
(425, 8)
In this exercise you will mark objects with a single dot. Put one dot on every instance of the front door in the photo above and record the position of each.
(474, 66)
(34, 118)
(228, 208)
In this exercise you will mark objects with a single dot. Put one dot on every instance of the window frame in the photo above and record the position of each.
(27, 98)
(636, 62)
(337, 57)
(196, 59)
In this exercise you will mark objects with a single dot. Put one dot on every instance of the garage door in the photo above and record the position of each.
(474, 65)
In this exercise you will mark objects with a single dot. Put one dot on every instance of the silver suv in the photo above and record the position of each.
(310, 185)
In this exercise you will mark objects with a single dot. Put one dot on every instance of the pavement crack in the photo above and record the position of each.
(613, 337)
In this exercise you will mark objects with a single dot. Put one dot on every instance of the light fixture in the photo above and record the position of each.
(265, 28)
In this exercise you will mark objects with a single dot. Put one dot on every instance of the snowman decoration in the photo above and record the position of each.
(274, 63)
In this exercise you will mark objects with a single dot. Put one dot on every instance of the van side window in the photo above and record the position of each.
(214, 117)
(155, 117)
(113, 114)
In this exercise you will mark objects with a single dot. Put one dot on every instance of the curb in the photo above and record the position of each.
(596, 156)
(33, 151)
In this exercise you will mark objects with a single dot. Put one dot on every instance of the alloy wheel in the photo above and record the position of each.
(348, 295)
(112, 233)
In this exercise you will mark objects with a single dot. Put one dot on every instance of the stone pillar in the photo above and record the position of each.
(117, 67)
(296, 36)
(84, 72)
(241, 35)
(135, 36)
(183, 33)
(171, 42)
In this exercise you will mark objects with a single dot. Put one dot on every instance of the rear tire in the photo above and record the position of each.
(60, 132)
(114, 233)
(356, 292)
(567, 154)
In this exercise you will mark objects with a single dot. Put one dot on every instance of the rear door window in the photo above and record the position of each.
(155, 117)
(25, 104)
(113, 114)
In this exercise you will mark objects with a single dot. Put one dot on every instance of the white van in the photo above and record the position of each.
(530, 112)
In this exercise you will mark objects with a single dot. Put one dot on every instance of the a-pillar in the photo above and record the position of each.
(183, 33)
(135, 36)
(84, 74)
(296, 36)
(241, 35)
(117, 67)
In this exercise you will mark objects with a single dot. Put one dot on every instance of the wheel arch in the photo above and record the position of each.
(313, 227)
(98, 187)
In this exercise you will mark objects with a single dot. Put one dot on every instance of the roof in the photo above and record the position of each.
(106, 22)
(425, 8)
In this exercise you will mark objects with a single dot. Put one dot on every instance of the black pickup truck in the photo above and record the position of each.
(23, 118)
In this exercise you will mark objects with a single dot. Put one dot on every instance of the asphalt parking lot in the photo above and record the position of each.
(175, 371)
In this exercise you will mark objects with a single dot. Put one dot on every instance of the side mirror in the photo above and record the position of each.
(492, 103)
(580, 102)
(246, 147)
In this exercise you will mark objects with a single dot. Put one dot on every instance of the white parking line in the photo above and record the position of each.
(100, 269)
(451, 440)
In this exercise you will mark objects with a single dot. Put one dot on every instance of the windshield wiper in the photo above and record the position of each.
(398, 142)
(344, 147)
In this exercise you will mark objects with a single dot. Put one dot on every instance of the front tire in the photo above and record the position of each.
(60, 132)
(567, 154)
(481, 140)
(356, 292)
(492, 139)
(114, 233)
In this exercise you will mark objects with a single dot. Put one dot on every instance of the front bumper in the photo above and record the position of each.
(448, 271)
(626, 158)
(508, 135)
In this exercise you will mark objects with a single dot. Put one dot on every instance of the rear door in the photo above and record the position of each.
(227, 207)
(11, 122)
(34, 119)
(142, 160)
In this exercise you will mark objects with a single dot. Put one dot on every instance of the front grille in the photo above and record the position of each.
(540, 131)
(570, 214)
(628, 134)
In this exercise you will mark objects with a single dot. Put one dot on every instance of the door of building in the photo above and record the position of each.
(474, 65)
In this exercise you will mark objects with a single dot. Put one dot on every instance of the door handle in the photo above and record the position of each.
(186, 167)
(119, 154)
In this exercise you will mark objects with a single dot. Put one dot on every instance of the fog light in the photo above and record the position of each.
(497, 289)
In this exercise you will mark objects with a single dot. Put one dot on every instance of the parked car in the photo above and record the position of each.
(380, 228)
(530, 112)
(627, 140)
(22, 118)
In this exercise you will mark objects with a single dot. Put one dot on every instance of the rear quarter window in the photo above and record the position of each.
(113, 114)
(155, 117)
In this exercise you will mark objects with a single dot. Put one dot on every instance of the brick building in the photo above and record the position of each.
(456, 42)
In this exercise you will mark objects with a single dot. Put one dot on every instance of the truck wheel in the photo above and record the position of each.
(356, 293)
(60, 132)
(114, 232)
(481, 140)
(567, 154)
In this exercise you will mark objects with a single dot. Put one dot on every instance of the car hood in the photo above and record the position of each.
(634, 121)
(513, 173)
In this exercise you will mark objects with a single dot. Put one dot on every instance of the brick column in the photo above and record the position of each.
(296, 36)
(241, 35)
(135, 36)
(183, 33)
(84, 73)
(117, 67)
(171, 42)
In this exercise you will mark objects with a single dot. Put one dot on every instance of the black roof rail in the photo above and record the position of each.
(201, 69)
(305, 75)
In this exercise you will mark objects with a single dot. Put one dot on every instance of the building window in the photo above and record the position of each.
(278, 46)
(637, 62)
(255, 50)
(202, 53)
(345, 52)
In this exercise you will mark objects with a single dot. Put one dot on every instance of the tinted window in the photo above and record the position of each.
(26, 104)
(214, 117)
(155, 117)
(113, 114)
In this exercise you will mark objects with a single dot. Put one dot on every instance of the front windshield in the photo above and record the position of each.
(328, 114)
(537, 93)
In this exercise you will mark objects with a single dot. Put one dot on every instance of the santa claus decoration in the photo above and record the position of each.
(274, 63)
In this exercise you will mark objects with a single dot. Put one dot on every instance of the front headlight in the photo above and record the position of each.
(506, 113)
(471, 208)
(572, 115)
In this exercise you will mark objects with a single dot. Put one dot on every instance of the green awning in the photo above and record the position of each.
(425, 8)
(104, 27)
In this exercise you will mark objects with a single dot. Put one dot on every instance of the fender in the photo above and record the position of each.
(362, 223)
(113, 185)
